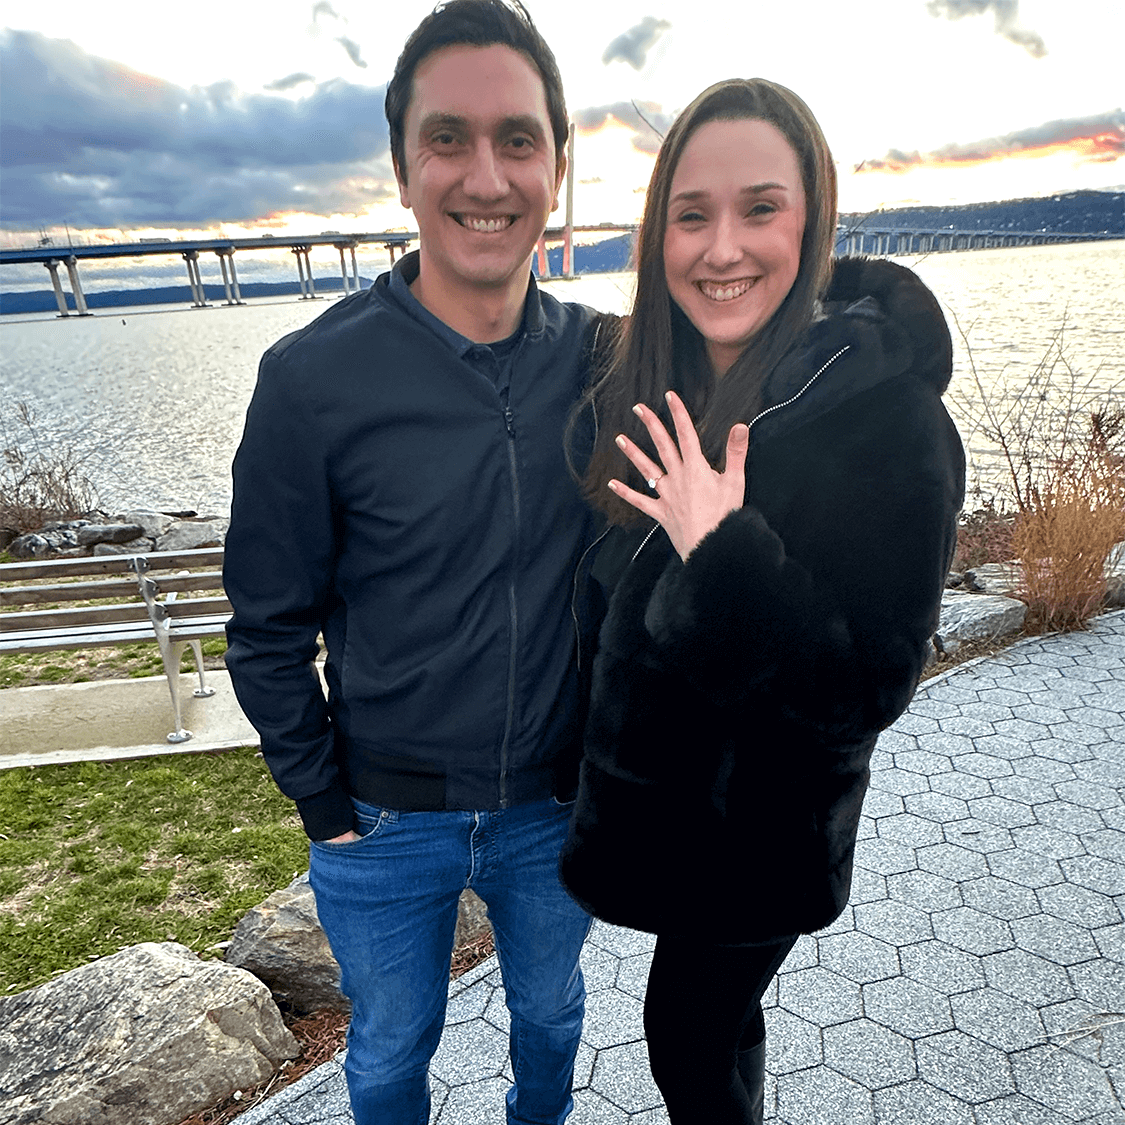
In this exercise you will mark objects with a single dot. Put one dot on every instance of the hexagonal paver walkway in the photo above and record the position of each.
(976, 978)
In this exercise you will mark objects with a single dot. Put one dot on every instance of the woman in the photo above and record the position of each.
(766, 619)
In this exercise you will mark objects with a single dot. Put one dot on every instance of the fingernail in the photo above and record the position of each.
(612, 486)
(637, 410)
(667, 396)
(620, 439)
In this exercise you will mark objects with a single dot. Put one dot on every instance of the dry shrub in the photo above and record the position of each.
(1062, 544)
(41, 479)
(983, 536)
(1062, 441)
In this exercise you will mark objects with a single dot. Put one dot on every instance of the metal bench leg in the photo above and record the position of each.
(203, 691)
(170, 652)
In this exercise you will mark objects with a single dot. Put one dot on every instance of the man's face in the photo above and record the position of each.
(481, 174)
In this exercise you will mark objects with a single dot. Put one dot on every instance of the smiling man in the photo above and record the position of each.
(401, 489)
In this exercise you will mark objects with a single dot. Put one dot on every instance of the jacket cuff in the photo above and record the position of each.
(327, 814)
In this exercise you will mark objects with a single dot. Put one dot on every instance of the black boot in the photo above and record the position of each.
(752, 1070)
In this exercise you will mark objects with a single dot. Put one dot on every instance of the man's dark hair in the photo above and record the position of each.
(477, 23)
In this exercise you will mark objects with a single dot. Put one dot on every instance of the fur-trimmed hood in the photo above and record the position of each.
(879, 322)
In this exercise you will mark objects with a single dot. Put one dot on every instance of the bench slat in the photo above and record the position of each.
(50, 640)
(106, 588)
(84, 616)
(109, 564)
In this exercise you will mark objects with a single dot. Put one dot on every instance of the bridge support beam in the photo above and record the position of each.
(304, 273)
(60, 296)
(76, 286)
(195, 280)
(230, 284)
(344, 268)
(568, 230)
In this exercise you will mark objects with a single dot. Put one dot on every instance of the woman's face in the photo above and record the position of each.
(736, 217)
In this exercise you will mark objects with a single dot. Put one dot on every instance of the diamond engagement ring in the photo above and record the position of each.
(652, 482)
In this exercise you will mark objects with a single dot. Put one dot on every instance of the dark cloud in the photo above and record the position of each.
(290, 80)
(1006, 14)
(1100, 138)
(632, 46)
(352, 47)
(88, 141)
(647, 120)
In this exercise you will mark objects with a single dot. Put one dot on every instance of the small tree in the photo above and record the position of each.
(41, 479)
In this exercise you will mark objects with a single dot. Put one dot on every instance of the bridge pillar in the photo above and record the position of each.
(541, 257)
(76, 286)
(300, 273)
(60, 296)
(355, 268)
(234, 279)
(233, 296)
(195, 280)
(343, 267)
(568, 230)
(308, 271)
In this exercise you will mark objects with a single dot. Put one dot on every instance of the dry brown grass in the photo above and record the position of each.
(40, 479)
(1062, 438)
(1062, 544)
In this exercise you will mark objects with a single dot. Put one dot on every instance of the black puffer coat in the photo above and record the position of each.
(737, 697)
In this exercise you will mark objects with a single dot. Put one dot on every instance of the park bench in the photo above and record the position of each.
(134, 600)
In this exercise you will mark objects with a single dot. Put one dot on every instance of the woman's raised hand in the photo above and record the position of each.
(691, 498)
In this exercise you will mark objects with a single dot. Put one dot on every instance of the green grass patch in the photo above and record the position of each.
(99, 855)
(119, 662)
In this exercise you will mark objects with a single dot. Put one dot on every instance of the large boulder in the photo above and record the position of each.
(280, 941)
(139, 546)
(107, 533)
(976, 617)
(50, 540)
(151, 523)
(188, 535)
(997, 579)
(146, 1036)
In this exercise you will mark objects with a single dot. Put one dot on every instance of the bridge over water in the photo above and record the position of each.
(869, 239)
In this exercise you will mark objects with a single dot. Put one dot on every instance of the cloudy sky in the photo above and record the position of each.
(156, 118)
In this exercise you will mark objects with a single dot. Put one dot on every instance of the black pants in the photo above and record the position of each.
(702, 1007)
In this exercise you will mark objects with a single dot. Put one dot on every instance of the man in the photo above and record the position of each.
(401, 488)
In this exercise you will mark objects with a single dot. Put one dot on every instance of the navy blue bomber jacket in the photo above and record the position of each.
(393, 496)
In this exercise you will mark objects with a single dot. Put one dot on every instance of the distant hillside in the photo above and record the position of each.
(43, 300)
(1076, 212)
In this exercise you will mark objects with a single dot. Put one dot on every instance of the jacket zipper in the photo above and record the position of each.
(789, 401)
(513, 617)
(574, 600)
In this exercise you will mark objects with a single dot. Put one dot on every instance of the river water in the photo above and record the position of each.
(152, 399)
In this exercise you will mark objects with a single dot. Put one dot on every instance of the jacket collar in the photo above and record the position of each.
(886, 324)
(396, 285)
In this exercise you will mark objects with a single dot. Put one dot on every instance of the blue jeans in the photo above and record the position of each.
(388, 903)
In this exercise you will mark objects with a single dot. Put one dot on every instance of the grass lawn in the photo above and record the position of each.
(114, 662)
(99, 855)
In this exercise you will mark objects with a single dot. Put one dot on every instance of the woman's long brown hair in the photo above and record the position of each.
(659, 349)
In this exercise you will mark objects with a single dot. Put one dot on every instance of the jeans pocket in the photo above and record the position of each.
(370, 821)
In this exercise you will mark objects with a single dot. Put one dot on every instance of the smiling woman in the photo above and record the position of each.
(735, 222)
(772, 580)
